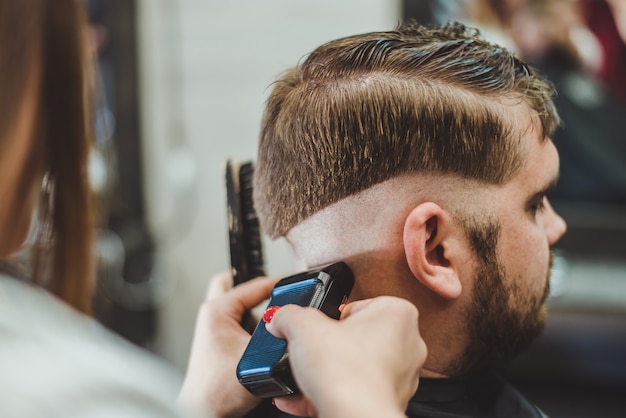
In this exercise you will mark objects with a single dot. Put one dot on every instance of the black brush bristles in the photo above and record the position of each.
(252, 232)
(246, 250)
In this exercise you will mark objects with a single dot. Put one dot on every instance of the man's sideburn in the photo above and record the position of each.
(497, 330)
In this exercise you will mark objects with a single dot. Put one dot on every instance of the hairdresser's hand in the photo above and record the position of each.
(211, 387)
(365, 365)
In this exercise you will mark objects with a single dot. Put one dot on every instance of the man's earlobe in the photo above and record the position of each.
(428, 252)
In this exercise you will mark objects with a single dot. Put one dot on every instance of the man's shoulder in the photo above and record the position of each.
(482, 394)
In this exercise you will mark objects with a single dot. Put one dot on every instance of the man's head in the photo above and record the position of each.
(419, 156)
(367, 108)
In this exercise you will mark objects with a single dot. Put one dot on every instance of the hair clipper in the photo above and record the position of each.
(264, 367)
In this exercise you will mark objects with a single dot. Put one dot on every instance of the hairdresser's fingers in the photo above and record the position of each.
(241, 298)
(251, 293)
(376, 337)
(381, 305)
(298, 405)
(354, 307)
(290, 321)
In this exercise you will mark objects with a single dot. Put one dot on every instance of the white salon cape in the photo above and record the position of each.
(55, 362)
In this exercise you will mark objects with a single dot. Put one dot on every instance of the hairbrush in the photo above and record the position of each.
(246, 249)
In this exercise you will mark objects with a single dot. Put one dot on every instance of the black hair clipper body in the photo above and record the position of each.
(264, 367)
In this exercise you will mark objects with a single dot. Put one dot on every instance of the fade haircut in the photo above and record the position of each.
(367, 108)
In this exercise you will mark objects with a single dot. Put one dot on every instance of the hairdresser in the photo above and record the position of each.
(58, 362)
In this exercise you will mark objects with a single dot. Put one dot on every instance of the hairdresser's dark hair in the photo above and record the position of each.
(366, 108)
(52, 36)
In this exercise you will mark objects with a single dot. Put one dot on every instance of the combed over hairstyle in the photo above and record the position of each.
(363, 109)
(55, 33)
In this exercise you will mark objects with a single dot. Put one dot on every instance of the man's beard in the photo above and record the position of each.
(503, 317)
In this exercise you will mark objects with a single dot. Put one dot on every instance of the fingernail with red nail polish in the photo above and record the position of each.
(269, 314)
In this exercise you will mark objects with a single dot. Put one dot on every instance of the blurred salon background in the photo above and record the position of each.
(182, 85)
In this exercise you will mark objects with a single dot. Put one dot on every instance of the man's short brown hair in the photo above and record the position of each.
(363, 109)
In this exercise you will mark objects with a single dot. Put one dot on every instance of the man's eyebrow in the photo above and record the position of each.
(545, 190)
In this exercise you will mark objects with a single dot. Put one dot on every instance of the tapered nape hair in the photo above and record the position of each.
(367, 108)
(56, 31)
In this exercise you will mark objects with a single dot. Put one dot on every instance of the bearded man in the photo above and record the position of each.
(422, 158)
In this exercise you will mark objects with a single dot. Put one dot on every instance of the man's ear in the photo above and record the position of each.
(430, 249)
